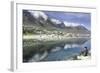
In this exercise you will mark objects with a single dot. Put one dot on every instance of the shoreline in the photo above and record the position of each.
(49, 37)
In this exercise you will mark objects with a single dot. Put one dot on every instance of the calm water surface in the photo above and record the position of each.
(54, 50)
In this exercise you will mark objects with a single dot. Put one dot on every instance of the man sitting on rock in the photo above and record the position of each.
(84, 52)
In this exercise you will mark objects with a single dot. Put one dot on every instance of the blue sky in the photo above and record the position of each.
(74, 17)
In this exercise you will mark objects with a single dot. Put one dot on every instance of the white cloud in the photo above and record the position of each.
(55, 21)
(37, 14)
(71, 24)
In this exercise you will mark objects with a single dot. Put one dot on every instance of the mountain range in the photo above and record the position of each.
(39, 20)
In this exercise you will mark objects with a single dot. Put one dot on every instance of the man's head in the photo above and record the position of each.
(85, 47)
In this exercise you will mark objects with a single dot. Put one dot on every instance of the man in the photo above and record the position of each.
(84, 52)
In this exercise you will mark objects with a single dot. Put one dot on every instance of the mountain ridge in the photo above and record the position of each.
(42, 20)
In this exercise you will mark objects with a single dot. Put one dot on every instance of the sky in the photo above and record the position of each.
(74, 17)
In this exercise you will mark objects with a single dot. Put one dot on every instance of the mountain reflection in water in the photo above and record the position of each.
(54, 50)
